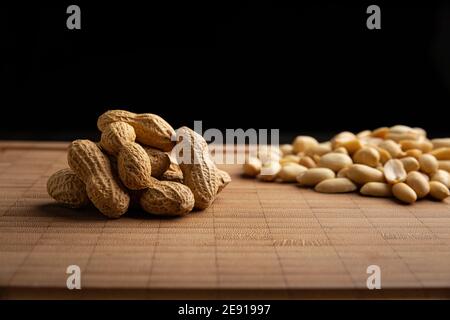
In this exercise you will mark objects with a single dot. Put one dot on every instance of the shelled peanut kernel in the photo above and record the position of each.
(398, 161)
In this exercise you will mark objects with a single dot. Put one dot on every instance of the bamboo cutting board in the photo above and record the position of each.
(258, 240)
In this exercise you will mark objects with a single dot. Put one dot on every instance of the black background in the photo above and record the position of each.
(301, 66)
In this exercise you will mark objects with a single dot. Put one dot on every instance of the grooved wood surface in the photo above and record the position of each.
(263, 239)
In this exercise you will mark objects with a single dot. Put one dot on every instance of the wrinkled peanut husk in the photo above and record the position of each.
(93, 167)
(199, 171)
(159, 160)
(151, 129)
(167, 198)
(67, 189)
(173, 173)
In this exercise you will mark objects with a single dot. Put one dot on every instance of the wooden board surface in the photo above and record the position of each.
(266, 240)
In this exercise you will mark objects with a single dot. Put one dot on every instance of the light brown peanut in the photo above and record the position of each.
(269, 171)
(394, 171)
(425, 176)
(418, 183)
(319, 149)
(350, 145)
(441, 143)
(342, 173)
(67, 189)
(302, 143)
(364, 134)
(199, 171)
(327, 144)
(376, 189)
(341, 137)
(368, 156)
(401, 132)
(442, 176)
(335, 161)
(115, 136)
(252, 166)
(392, 147)
(94, 169)
(404, 193)
(410, 164)
(316, 158)
(371, 141)
(415, 153)
(151, 129)
(291, 158)
(400, 128)
(428, 163)
(438, 190)
(307, 162)
(380, 132)
(444, 165)
(361, 174)
(385, 156)
(134, 167)
(289, 173)
(159, 160)
(335, 185)
(173, 173)
(422, 145)
(313, 176)
(420, 132)
(286, 149)
(167, 198)
(133, 163)
(441, 153)
(397, 137)
(340, 150)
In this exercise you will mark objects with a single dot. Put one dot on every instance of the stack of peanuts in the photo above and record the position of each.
(132, 165)
(397, 161)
